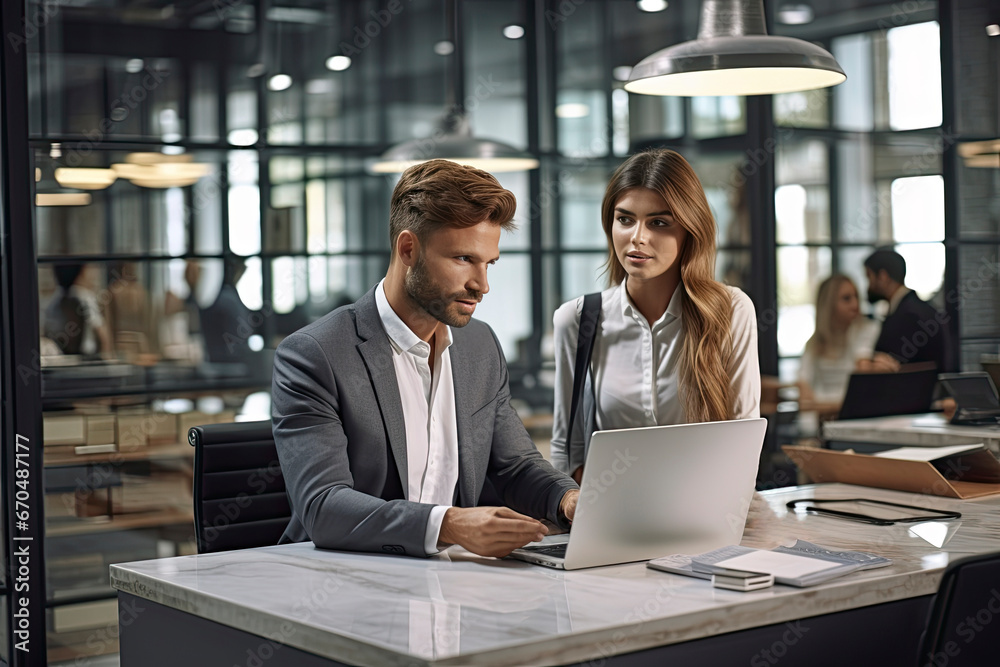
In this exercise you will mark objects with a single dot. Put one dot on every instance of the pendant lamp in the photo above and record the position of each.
(453, 139)
(158, 170)
(51, 192)
(734, 55)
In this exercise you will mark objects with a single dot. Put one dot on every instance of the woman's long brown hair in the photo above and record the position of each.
(706, 387)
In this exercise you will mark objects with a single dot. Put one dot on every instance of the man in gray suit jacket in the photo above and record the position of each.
(392, 416)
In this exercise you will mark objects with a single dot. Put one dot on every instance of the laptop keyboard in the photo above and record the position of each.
(557, 550)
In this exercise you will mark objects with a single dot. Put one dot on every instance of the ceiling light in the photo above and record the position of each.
(513, 31)
(49, 192)
(795, 14)
(338, 63)
(279, 82)
(734, 55)
(572, 110)
(444, 48)
(162, 175)
(134, 65)
(85, 178)
(993, 29)
(651, 5)
(157, 170)
(454, 141)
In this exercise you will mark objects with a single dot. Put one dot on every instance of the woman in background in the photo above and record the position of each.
(842, 338)
(673, 344)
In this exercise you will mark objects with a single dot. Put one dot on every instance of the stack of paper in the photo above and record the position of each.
(802, 564)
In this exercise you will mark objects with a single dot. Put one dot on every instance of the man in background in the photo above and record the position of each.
(913, 331)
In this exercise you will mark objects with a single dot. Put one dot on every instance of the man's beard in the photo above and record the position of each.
(874, 297)
(430, 297)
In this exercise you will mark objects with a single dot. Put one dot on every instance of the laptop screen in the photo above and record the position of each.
(973, 391)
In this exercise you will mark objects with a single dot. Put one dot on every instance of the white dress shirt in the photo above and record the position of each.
(428, 401)
(635, 365)
(828, 375)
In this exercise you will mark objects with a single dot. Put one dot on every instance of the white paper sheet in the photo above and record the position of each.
(926, 453)
(778, 564)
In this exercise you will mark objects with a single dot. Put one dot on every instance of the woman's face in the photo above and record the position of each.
(648, 241)
(846, 308)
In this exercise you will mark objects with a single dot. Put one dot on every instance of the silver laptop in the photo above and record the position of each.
(650, 492)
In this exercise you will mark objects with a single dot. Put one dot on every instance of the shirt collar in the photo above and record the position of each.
(400, 335)
(674, 308)
(897, 297)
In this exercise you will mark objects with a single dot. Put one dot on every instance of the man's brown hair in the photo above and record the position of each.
(440, 193)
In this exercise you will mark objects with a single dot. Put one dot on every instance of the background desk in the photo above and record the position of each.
(928, 430)
(297, 605)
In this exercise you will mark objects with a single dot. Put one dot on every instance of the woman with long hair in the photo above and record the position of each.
(842, 339)
(673, 345)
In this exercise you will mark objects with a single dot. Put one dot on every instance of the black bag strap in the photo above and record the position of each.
(584, 348)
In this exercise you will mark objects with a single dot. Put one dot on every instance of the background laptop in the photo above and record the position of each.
(650, 492)
(907, 392)
(975, 397)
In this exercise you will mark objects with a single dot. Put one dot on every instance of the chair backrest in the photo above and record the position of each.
(239, 491)
(963, 628)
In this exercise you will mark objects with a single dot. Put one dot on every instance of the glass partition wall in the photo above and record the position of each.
(204, 187)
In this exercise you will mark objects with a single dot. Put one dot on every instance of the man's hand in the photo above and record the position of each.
(880, 363)
(489, 531)
(568, 503)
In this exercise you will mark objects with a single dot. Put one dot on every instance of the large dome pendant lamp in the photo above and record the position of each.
(734, 55)
(453, 139)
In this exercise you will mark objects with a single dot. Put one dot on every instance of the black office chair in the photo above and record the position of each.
(963, 628)
(239, 491)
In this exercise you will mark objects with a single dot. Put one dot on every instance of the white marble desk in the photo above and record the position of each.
(927, 430)
(459, 609)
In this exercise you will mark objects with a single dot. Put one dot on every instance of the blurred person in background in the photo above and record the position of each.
(842, 338)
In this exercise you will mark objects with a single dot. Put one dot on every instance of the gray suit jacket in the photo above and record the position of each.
(338, 426)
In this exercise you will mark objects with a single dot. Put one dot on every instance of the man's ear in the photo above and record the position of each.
(407, 247)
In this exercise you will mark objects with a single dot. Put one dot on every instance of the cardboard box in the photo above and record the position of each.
(85, 616)
(131, 429)
(971, 474)
(100, 429)
(69, 429)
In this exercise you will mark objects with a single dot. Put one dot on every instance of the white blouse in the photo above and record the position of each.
(828, 376)
(635, 364)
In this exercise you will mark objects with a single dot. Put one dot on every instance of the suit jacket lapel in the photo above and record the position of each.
(465, 393)
(376, 351)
